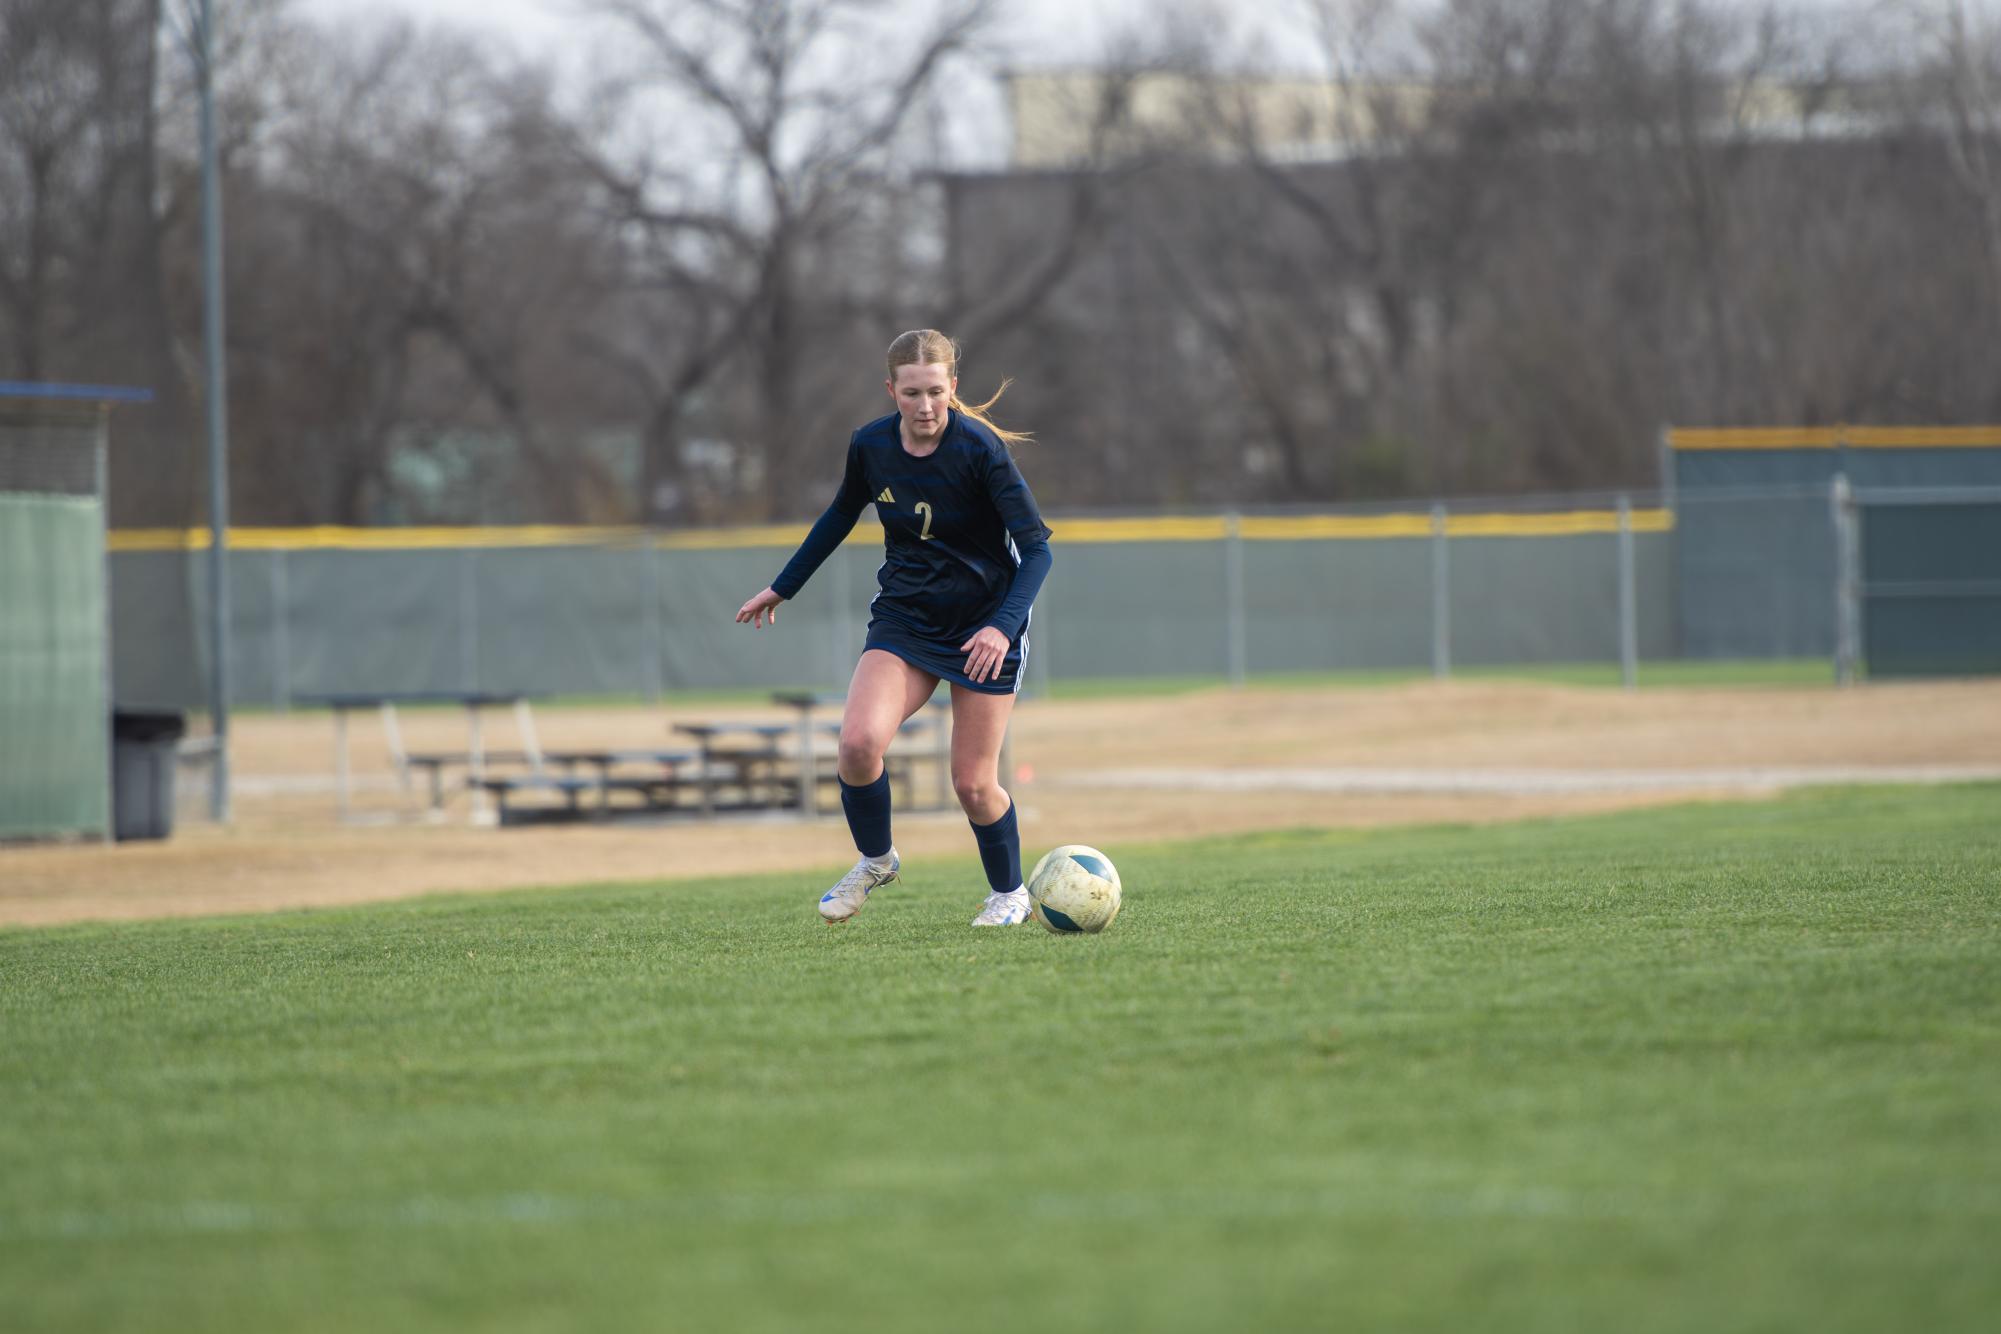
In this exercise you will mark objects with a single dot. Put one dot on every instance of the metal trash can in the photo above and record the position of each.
(143, 746)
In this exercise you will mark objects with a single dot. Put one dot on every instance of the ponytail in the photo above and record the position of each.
(978, 412)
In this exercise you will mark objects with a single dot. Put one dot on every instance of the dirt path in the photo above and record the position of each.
(285, 849)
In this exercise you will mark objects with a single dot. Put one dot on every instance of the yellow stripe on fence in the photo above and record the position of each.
(1335, 527)
(1266, 528)
(1165, 528)
(1568, 523)
(331, 538)
(715, 539)
(1925, 437)
(1829, 437)
(1760, 437)
(149, 539)
(1350, 527)
(406, 539)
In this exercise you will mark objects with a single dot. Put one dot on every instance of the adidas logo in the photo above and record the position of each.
(885, 498)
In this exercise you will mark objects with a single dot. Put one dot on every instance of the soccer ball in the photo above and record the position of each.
(1074, 889)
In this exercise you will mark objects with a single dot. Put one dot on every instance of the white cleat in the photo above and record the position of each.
(845, 899)
(1010, 909)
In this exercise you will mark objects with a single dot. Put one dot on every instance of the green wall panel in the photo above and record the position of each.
(54, 750)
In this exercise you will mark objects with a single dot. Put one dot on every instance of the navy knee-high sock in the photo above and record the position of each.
(1000, 851)
(867, 809)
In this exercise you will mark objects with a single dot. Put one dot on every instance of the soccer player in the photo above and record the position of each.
(966, 551)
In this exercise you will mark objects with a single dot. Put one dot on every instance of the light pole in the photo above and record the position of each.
(201, 50)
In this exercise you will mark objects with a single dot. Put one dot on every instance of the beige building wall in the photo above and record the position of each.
(1064, 118)
(1072, 117)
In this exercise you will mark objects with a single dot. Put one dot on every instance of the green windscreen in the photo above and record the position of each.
(1931, 584)
(54, 765)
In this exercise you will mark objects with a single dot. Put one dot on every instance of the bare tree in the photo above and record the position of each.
(51, 111)
(83, 287)
(754, 219)
(1470, 245)
(415, 194)
(1969, 60)
(1326, 263)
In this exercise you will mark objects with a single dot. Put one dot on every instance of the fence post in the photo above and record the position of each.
(1629, 617)
(468, 620)
(1237, 652)
(649, 617)
(837, 624)
(1037, 634)
(1847, 580)
(1441, 595)
(281, 634)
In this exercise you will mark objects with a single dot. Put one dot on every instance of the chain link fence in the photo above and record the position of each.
(1228, 596)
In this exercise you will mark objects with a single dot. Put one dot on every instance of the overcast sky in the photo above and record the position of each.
(1047, 31)
(1031, 34)
(1036, 32)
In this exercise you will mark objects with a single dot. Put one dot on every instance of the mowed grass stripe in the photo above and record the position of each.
(1709, 1066)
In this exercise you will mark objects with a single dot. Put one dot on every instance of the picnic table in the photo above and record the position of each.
(924, 736)
(657, 786)
(749, 764)
(475, 756)
(745, 755)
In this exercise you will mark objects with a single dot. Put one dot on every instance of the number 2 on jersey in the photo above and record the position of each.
(923, 507)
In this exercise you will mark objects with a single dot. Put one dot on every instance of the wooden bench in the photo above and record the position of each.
(924, 738)
(607, 760)
(434, 764)
(655, 794)
(658, 790)
(752, 765)
(921, 741)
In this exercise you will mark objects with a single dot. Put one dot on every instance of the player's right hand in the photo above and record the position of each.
(755, 610)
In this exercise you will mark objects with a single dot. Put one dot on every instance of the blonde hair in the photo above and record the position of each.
(928, 347)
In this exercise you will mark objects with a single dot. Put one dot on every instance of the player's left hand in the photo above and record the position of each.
(985, 652)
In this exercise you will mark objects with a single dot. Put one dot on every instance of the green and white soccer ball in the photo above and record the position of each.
(1074, 889)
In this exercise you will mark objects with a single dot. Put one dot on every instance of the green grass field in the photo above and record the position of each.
(1704, 1068)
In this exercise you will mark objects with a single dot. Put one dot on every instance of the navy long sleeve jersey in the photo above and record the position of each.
(964, 544)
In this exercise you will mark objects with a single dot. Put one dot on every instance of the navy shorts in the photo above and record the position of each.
(947, 661)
